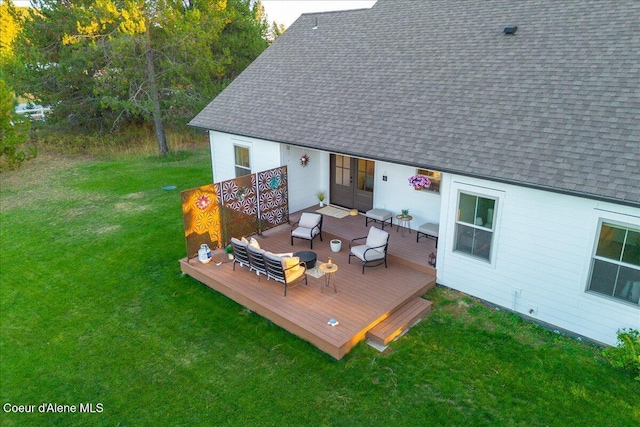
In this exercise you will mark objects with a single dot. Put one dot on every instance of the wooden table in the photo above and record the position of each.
(404, 222)
(329, 271)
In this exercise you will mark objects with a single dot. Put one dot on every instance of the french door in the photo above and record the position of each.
(352, 182)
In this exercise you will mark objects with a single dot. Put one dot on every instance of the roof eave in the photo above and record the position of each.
(580, 194)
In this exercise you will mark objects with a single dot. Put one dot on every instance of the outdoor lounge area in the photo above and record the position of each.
(378, 305)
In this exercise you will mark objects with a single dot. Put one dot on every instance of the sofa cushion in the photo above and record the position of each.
(240, 242)
(364, 254)
(294, 274)
(305, 233)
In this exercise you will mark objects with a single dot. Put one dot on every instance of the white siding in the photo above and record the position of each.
(543, 244)
(304, 182)
(263, 154)
(395, 194)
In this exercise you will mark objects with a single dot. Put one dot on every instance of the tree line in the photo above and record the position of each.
(103, 65)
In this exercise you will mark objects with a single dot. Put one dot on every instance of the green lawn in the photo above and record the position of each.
(94, 310)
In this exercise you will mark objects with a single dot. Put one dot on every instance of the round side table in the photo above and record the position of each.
(329, 271)
(404, 222)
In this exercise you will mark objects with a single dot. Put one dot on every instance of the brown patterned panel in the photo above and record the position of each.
(240, 207)
(273, 197)
(201, 217)
(214, 213)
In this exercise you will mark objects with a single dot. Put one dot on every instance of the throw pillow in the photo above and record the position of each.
(254, 243)
(289, 262)
(282, 255)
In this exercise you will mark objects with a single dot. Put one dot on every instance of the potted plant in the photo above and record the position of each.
(405, 213)
(229, 251)
(336, 245)
(321, 195)
(419, 182)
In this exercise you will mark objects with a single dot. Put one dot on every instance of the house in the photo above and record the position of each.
(530, 134)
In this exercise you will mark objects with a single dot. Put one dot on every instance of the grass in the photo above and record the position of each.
(93, 309)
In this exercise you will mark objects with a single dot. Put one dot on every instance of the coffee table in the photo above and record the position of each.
(308, 257)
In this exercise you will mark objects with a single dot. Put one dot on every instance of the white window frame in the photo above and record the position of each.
(492, 230)
(619, 263)
(236, 166)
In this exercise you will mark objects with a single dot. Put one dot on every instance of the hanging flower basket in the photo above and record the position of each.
(419, 182)
(304, 160)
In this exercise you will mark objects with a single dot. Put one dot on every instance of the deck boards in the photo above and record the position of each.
(362, 301)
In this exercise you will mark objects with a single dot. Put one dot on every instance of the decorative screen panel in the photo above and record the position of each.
(243, 206)
(201, 217)
(274, 197)
(240, 206)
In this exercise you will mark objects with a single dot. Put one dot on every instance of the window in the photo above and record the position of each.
(243, 164)
(615, 270)
(343, 170)
(434, 177)
(475, 225)
(366, 169)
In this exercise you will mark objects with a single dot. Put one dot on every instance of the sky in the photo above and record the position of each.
(287, 11)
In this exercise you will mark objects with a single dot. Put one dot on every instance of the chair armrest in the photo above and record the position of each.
(378, 247)
(301, 263)
(357, 238)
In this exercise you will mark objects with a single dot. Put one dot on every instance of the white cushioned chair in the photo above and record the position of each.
(374, 250)
(289, 271)
(308, 227)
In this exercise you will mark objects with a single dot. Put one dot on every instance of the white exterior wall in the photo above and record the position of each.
(395, 194)
(263, 155)
(304, 182)
(543, 245)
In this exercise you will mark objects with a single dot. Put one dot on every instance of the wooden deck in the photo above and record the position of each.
(361, 301)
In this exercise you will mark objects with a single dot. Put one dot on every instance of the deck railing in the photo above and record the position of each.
(37, 113)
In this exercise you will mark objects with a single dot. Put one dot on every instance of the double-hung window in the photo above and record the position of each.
(242, 160)
(615, 269)
(475, 225)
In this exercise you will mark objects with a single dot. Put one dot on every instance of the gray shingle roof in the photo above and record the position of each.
(438, 85)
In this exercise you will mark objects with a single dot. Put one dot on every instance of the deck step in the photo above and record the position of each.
(400, 320)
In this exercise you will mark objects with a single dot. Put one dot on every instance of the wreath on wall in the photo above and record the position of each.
(304, 160)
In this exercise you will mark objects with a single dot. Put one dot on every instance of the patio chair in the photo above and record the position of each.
(256, 261)
(240, 255)
(287, 270)
(374, 250)
(308, 227)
